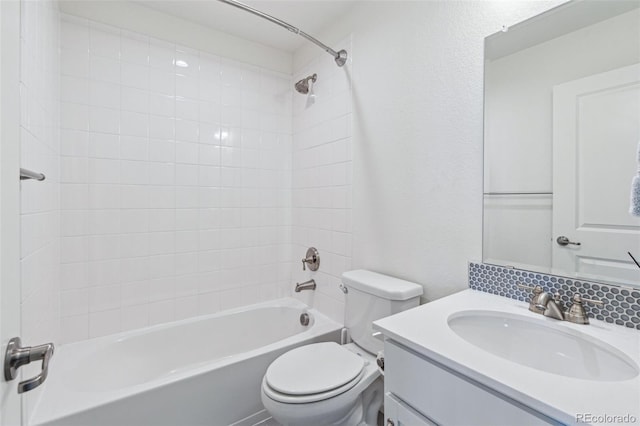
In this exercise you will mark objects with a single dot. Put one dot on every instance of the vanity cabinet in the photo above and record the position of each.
(420, 391)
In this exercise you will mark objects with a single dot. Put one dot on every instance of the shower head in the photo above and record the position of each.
(302, 86)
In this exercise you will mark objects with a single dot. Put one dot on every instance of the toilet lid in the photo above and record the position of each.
(314, 397)
(312, 369)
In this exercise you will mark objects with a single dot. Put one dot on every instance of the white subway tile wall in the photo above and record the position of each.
(322, 179)
(175, 183)
(39, 144)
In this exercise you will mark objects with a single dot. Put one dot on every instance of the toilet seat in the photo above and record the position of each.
(305, 399)
(313, 373)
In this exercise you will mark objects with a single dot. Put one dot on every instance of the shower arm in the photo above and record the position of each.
(340, 56)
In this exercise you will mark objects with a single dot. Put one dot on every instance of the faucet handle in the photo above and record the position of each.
(576, 313)
(312, 259)
(577, 298)
(536, 290)
(538, 300)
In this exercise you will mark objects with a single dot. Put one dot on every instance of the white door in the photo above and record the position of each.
(596, 131)
(10, 402)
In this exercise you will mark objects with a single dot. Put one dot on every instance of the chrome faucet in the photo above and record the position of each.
(543, 303)
(307, 285)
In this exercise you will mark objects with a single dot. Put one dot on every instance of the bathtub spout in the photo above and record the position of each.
(307, 285)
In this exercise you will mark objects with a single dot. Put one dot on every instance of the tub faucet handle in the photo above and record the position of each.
(312, 259)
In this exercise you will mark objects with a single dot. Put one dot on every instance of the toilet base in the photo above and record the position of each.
(353, 408)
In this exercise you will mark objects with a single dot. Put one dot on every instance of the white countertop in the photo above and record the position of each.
(425, 330)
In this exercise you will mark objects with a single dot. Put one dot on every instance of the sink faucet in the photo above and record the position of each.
(543, 303)
(552, 306)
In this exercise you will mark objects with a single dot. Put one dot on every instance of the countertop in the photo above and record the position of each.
(425, 330)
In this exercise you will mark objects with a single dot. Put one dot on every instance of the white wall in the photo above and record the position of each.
(417, 135)
(39, 144)
(519, 132)
(322, 179)
(176, 181)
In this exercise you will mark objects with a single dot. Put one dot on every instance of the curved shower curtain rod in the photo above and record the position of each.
(340, 56)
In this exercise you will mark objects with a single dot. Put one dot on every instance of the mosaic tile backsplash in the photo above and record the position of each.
(622, 304)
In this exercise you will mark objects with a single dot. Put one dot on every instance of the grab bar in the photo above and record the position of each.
(28, 174)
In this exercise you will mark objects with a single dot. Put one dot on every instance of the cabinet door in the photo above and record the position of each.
(397, 413)
(448, 397)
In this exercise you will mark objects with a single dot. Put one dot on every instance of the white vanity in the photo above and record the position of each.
(478, 359)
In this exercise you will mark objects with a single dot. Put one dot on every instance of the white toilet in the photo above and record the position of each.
(329, 384)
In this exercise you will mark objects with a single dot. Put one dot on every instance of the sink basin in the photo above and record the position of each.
(536, 344)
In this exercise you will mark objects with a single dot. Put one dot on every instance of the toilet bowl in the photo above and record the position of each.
(330, 384)
(323, 384)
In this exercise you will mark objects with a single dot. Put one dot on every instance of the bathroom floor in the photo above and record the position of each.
(271, 422)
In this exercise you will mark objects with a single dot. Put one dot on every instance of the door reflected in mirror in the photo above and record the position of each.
(562, 134)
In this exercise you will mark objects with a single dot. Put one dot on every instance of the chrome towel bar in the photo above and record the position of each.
(28, 174)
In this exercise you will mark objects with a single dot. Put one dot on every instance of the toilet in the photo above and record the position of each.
(331, 384)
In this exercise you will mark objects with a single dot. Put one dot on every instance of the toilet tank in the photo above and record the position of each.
(371, 296)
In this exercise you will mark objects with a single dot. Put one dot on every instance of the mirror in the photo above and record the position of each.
(562, 129)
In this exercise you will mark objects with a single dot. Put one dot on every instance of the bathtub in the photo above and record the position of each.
(198, 371)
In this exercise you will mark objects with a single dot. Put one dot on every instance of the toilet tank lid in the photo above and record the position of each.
(381, 285)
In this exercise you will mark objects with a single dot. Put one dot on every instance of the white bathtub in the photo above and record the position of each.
(199, 371)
